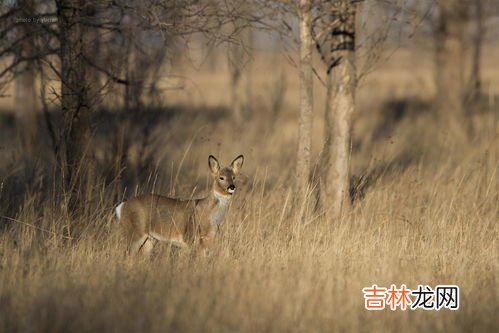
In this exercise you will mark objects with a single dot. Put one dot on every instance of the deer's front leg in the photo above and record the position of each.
(204, 245)
(206, 239)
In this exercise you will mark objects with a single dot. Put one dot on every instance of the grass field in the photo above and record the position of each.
(429, 215)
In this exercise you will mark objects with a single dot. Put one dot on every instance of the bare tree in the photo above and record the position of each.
(38, 38)
(75, 158)
(64, 46)
(306, 98)
(335, 37)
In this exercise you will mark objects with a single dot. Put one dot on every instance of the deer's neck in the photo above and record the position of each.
(220, 206)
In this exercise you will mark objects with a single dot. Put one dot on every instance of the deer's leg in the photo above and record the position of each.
(147, 247)
(137, 244)
(179, 242)
(175, 239)
(204, 242)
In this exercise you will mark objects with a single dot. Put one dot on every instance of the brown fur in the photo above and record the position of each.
(152, 217)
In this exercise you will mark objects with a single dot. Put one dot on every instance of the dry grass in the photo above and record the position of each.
(429, 217)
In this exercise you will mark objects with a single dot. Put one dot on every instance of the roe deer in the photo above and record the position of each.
(151, 217)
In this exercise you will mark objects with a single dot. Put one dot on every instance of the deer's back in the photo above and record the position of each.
(151, 213)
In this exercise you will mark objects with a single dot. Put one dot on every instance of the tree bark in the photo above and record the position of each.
(236, 63)
(306, 100)
(27, 110)
(477, 39)
(25, 88)
(335, 182)
(449, 66)
(248, 38)
(335, 158)
(75, 155)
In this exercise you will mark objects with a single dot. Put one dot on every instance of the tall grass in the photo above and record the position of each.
(430, 222)
(428, 215)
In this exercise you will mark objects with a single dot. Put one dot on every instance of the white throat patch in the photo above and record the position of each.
(222, 199)
(220, 209)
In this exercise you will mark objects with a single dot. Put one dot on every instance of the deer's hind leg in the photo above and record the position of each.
(137, 237)
(139, 245)
(147, 247)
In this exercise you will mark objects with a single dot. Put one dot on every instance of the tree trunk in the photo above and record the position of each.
(130, 102)
(478, 32)
(449, 66)
(27, 110)
(248, 38)
(335, 159)
(75, 154)
(306, 100)
(235, 93)
(25, 88)
(339, 123)
(236, 62)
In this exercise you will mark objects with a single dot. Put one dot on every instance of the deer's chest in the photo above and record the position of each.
(219, 211)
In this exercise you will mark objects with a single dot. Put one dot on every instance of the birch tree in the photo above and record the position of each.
(334, 33)
(306, 98)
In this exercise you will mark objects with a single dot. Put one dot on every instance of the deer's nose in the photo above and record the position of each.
(231, 188)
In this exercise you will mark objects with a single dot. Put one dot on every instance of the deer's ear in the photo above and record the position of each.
(213, 164)
(237, 164)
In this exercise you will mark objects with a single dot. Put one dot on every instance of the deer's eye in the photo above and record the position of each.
(222, 178)
(233, 178)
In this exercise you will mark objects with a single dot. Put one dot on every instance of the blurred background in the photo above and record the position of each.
(128, 89)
